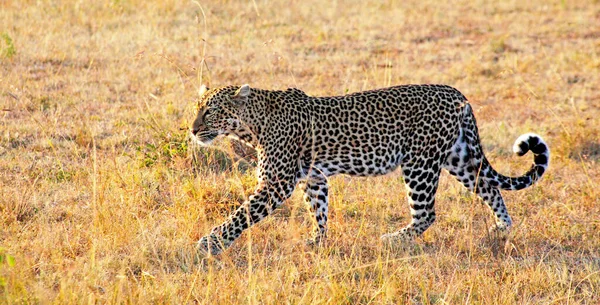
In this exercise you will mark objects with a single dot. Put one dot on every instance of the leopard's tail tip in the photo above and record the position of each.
(534, 143)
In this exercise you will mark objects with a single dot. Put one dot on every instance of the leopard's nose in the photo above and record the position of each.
(195, 130)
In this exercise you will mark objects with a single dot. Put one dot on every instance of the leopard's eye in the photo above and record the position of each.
(205, 114)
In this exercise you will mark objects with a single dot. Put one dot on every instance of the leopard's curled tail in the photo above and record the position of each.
(523, 144)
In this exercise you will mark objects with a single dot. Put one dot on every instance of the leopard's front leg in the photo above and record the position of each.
(276, 171)
(277, 180)
(259, 205)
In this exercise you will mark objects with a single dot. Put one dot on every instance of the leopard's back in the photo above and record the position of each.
(371, 132)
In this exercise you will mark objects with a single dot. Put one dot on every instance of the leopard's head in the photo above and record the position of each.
(220, 112)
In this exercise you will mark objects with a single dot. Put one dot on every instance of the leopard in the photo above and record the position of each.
(301, 141)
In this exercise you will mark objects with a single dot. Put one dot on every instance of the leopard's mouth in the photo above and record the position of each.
(204, 138)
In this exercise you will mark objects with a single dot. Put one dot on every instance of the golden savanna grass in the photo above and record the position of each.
(102, 196)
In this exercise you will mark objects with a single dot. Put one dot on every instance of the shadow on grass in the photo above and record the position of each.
(228, 156)
(586, 151)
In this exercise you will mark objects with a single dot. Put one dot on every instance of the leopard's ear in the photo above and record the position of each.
(203, 89)
(243, 91)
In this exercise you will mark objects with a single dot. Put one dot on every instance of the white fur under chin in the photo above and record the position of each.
(198, 142)
(204, 144)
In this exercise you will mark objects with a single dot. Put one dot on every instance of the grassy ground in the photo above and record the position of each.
(101, 198)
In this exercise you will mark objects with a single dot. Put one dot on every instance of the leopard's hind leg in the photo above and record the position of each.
(460, 165)
(316, 198)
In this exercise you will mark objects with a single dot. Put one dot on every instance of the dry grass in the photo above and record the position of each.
(100, 200)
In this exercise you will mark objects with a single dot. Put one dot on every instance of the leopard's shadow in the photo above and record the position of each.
(227, 156)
